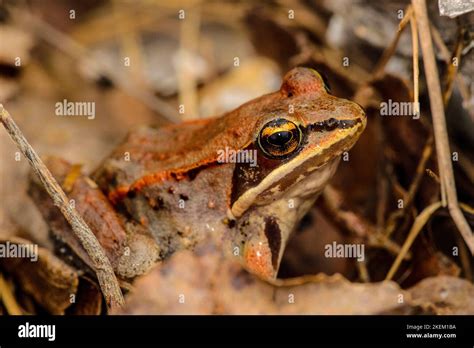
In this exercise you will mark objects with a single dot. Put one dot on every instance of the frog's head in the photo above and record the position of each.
(298, 141)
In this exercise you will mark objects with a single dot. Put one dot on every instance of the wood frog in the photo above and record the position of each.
(243, 180)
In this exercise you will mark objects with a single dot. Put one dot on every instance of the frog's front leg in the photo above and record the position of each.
(131, 250)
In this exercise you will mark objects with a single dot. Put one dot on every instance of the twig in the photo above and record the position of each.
(8, 299)
(418, 224)
(446, 55)
(187, 81)
(382, 195)
(467, 208)
(432, 175)
(420, 170)
(353, 223)
(390, 50)
(363, 271)
(439, 123)
(105, 274)
(465, 258)
(129, 44)
(416, 70)
(378, 240)
(452, 69)
(409, 197)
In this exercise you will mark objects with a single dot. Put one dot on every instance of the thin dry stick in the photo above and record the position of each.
(418, 224)
(409, 197)
(438, 41)
(187, 81)
(452, 70)
(390, 50)
(425, 156)
(356, 226)
(465, 258)
(446, 55)
(382, 197)
(363, 271)
(105, 274)
(129, 45)
(432, 175)
(8, 299)
(428, 146)
(416, 70)
(439, 123)
(463, 252)
(390, 226)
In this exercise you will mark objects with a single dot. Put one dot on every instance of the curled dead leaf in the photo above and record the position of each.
(48, 280)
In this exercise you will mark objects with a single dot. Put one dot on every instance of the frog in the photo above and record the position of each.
(242, 181)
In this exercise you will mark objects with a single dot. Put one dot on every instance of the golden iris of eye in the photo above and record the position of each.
(279, 138)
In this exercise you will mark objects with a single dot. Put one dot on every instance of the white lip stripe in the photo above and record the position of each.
(246, 199)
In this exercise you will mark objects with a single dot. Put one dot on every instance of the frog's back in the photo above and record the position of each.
(147, 151)
(151, 154)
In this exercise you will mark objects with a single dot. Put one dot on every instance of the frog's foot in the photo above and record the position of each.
(140, 253)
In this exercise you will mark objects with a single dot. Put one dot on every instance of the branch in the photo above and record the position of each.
(418, 224)
(105, 274)
(390, 50)
(439, 123)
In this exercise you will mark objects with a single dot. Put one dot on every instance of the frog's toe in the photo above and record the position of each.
(140, 254)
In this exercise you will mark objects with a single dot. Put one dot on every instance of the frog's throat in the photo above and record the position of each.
(249, 197)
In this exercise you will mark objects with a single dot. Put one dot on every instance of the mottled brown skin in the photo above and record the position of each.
(167, 182)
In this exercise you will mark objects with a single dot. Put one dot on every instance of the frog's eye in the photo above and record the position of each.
(279, 138)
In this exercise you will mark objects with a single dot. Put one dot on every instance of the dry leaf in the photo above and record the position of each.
(49, 280)
(205, 283)
(444, 295)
